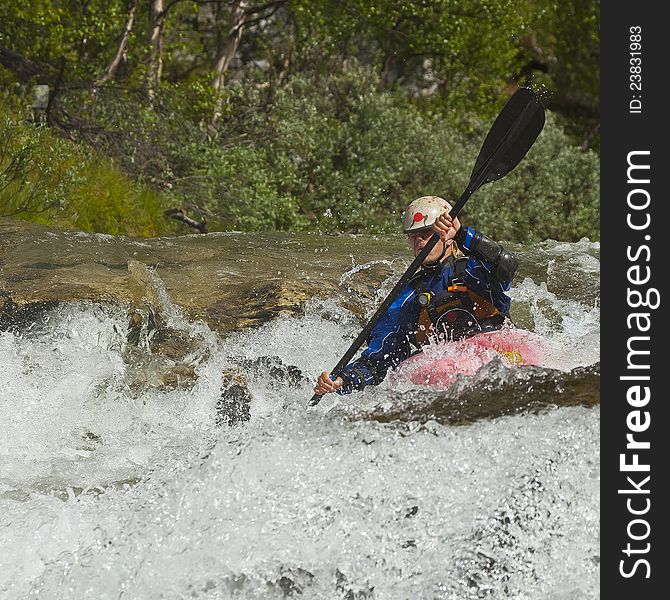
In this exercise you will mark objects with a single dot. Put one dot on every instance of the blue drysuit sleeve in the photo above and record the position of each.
(388, 346)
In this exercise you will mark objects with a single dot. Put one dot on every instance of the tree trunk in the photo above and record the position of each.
(389, 72)
(155, 34)
(230, 46)
(113, 66)
(231, 43)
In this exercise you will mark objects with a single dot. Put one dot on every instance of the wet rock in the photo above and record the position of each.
(273, 367)
(349, 591)
(293, 582)
(159, 355)
(87, 440)
(233, 405)
(231, 281)
(135, 325)
(180, 377)
(17, 318)
(174, 344)
(491, 393)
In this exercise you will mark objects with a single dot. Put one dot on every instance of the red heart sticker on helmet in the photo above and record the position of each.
(418, 217)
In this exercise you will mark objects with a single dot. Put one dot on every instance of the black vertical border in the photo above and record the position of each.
(621, 133)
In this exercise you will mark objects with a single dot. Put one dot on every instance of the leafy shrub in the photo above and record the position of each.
(554, 193)
(37, 172)
(332, 153)
(244, 186)
(326, 152)
(108, 201)
(47, 179)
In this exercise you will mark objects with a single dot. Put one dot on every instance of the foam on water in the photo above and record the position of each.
(571, 328)
(296, 501)
(113, 490)
(71, 419)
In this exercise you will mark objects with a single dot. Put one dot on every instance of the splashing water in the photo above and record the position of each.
(114, 485)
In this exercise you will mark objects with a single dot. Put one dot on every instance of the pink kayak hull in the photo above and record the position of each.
(441, 363)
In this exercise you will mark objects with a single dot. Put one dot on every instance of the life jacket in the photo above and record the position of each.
(456, 312)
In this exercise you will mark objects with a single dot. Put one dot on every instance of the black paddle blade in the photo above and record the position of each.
(511, 136)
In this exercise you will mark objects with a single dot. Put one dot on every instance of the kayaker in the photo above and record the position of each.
(459, 291)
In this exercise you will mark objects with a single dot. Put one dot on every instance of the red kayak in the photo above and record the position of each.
(440, 364)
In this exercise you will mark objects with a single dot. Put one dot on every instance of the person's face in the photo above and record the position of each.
(418, 240)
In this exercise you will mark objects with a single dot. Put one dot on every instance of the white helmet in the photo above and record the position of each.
(423, 212)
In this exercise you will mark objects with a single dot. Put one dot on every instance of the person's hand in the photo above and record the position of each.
(325, 385)
(446, 226)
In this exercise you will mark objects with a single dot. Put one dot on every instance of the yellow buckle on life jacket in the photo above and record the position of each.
(424, 299)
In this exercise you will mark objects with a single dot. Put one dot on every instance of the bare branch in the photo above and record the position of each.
(249, 22)
(113, 66)
(178, 215)
(155, 35)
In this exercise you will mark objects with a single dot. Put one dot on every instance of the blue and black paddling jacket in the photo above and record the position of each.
(458, 298)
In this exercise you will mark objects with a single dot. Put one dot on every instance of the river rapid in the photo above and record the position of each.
(116, 485)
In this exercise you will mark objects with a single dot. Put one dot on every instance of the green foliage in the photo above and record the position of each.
(333, 154)
(554, 193)
(36, 171)
(334, 115)
(561, 52)
(71, 33)
(46, 179)
(107, 201)
(243, 187)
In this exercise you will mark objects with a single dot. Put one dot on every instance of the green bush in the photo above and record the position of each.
(37, 172)
(108, 201)
(244, 187)
(554, 193)
(46, 179)
(332, 153)
(325, 152)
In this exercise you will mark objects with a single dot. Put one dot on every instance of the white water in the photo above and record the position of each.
(112, 491)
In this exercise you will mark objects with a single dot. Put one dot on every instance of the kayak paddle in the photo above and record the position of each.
(512, 134)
